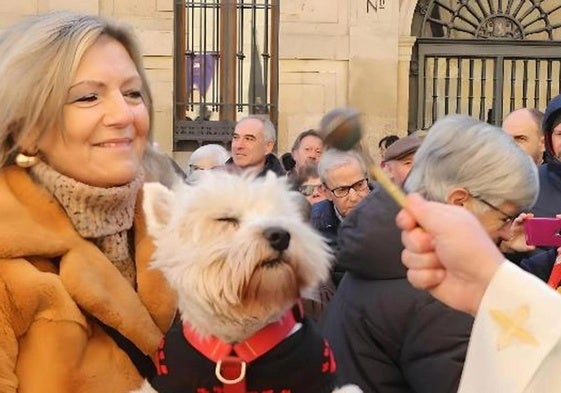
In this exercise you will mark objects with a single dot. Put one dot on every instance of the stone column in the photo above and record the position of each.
(404, 61)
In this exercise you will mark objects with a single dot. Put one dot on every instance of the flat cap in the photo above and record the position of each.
(402, 147)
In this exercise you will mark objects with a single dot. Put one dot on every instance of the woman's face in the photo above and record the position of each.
(105, 120)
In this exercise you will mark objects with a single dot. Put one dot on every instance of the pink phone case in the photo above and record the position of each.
(543, 231)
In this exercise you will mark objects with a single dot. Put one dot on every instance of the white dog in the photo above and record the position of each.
(239, 254)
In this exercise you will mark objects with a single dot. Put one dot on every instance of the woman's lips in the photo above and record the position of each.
(114, 143)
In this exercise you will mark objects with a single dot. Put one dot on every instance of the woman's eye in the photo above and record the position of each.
(135, 94)
(87, 98)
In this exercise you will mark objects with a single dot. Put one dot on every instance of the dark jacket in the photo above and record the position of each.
(549, 197)
(272, 163)
(540, 265)
(325, 220)
(387, 336)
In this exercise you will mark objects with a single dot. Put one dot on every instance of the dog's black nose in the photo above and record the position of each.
(277, 237)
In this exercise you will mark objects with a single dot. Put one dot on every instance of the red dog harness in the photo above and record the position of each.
(231, 360)
(273, 360)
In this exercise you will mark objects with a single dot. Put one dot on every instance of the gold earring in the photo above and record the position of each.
(26, 161)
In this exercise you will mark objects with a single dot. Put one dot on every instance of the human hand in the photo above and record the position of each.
(517, 240)
(447, 252)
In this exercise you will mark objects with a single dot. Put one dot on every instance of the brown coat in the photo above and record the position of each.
(51, 280)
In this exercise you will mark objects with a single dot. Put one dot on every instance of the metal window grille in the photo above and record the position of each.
(226, 67)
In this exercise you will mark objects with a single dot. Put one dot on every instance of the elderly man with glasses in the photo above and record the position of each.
(345, 183)
(388, 336)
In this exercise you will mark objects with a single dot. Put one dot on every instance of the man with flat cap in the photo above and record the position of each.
(398, 158)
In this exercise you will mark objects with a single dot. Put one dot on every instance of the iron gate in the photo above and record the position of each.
(484, 58)
(496, 78)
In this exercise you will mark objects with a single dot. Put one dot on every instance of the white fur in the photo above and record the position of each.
(211, 247)
(348, 389)
(146, 388)
(214, 264)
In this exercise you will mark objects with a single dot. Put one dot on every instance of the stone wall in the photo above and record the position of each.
(343, 52)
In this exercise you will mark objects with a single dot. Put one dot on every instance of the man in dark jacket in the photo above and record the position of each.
(252, 145)
(549, 197)
(344, 183)
(386, 335)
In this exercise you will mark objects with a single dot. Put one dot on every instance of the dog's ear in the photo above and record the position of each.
(157, 204)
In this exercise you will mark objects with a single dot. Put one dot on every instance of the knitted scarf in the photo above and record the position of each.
(102, 215)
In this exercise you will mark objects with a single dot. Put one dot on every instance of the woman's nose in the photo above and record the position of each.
(119, 112)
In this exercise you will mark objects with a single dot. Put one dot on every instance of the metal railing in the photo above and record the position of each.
(486, 79)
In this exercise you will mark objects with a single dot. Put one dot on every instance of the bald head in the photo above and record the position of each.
(524, 126)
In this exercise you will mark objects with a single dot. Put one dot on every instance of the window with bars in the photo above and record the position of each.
(226, 67)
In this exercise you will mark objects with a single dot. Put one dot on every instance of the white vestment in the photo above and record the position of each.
(520, 366)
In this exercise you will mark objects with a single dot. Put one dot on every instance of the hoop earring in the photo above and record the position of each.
(25, 161)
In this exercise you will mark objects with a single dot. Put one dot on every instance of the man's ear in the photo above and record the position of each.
(387, 168)
(457, 196)
(269, 146)
(157, 202)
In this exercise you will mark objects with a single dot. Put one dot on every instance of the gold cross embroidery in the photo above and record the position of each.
(511, 327)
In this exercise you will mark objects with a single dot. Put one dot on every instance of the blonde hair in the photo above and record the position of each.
(39, 58)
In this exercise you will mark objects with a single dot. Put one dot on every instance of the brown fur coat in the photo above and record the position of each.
(51, 280)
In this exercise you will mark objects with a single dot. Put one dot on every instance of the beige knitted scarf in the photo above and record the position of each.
(102, 215)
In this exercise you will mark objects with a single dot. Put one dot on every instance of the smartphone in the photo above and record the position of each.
(543, 231)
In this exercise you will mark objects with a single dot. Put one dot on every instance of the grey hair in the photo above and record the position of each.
(460, 151)
(333, 158)
(39, 58)
(212, 152)
(269, 131)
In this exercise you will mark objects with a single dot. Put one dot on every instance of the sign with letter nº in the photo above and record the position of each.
(375, 5)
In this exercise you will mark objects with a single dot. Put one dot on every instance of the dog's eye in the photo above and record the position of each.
(230, 220)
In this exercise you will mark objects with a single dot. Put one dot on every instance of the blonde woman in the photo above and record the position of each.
(79, 309)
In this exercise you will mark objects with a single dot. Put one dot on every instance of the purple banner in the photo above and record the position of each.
(200, 71)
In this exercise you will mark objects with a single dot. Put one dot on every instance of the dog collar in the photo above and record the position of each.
(258, 344)
(231, 359)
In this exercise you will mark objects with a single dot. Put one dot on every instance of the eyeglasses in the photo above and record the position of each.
(343, 191)
(308, 189)
(507, 217)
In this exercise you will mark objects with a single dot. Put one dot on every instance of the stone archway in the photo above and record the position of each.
(406, 12)
(406, 43)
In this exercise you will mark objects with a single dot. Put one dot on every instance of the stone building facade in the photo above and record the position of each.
(332, 53)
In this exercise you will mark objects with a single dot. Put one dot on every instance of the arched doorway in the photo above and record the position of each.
(483, 58)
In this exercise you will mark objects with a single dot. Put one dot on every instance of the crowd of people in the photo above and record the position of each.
(78, 300)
